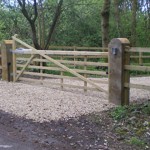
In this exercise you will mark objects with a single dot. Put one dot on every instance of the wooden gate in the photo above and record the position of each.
(6, 60)
(0, 62)
(62, 66)
(45, 66)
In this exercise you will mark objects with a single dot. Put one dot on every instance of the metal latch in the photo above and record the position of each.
(115, 51)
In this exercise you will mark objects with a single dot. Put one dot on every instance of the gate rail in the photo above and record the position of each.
(22, 64)
(60, 65)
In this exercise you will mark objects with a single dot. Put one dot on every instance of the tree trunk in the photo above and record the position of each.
(148, 22)
(43, 42)
(105, 22)
(117, 16)
(34, 36)
(41, 24)
(54, 23)
(133, 22)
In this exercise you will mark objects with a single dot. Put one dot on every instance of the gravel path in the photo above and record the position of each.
(45, 104)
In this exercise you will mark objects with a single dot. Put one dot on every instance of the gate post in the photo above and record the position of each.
(6, 61)
(118, 76)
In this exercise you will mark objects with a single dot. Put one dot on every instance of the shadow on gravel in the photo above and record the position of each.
(92, 132)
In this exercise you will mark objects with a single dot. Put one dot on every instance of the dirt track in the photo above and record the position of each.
(10, 139)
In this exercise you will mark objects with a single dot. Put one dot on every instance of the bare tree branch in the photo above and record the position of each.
(31, 20)
(54, 23)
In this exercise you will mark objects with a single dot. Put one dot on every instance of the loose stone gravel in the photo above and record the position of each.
(45, 104)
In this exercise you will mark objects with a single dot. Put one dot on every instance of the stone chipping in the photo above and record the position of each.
(45, 104)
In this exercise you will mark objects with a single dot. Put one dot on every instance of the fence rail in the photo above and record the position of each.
(0, 60)
(137, 86)
(139, 49)
(87, 65)
(54, 64)
(136, 67)
(53, 52)
(77, 48)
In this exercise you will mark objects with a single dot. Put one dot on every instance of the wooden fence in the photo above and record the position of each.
(143, 68)
(0, 61)
(37, 66)
(89, 66)
(79, 62)
(137, 56)
(120, 56)
(140, 54)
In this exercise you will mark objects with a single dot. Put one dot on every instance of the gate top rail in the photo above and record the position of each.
(79, 48)
(54, 52)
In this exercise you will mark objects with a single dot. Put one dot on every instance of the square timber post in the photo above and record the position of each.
(6, 61)
(118, 76)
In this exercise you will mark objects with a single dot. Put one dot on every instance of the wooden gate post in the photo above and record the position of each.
(118, 58)
(6, 62)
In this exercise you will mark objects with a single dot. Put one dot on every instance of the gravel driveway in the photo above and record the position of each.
(45, 104)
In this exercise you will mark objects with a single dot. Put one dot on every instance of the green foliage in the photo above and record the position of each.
(79, 24)
(136, 141)
(146, 109)
(2, 34)
(13, 22)
(119, 113)
(133, 124)
(52, 72)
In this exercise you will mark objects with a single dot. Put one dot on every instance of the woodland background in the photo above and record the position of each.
(75, 22)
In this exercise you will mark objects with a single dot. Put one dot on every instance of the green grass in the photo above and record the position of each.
(137, 142)
(146, 109)
(132, 123)
(119, 112)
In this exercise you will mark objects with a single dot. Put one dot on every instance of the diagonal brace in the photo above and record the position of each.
(23, 69)
(61, 65)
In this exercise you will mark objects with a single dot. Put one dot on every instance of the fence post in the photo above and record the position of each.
(118, 76)
(6, 62)
(0, 59)
(140, 58)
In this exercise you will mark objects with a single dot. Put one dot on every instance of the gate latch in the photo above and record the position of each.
(115, 51)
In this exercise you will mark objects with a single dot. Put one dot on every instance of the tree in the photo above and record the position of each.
(117, 16)
(133, 22)
(105, 13)
(30, 12)
(78, 22)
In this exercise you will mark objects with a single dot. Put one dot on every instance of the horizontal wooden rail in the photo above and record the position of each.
(54, 52)
(138, 49)
(79, 63)
(60, 69)
(48, 75)
(8, 42)
(137, 68)
(99, 81)
(78, 48)
(48, 83)
(140, 56)
(81, 56)
(106, 56)
(61, 77)
(73, 56)
(137, 86)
